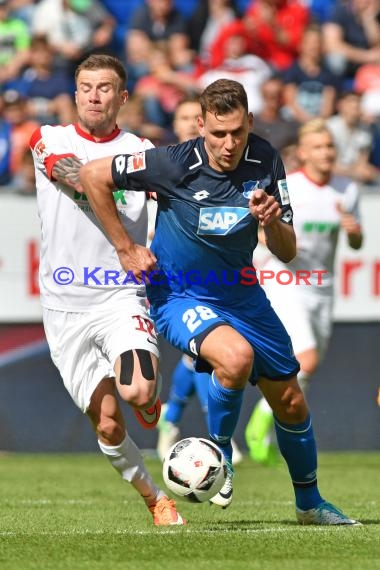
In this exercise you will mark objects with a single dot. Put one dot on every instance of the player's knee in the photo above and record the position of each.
(237, 362)
(294, 406)
(134, 363)
(138, 381)
(140, 394)
(241, 359)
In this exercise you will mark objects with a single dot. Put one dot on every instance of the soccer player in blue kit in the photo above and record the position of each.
(213, 193)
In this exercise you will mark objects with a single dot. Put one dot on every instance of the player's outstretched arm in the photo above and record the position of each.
(280, 238)
(96, 180)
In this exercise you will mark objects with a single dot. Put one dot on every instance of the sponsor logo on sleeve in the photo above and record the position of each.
(283, 190)
(136, 162)
(287, 216)
(40, 151)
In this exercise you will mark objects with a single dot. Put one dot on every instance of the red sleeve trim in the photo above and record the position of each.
(35, 138)
(51, 160)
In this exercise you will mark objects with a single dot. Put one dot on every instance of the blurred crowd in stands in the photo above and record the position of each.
(297, 59)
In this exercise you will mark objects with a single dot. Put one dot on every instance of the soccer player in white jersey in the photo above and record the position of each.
(323, 204)
(99, 333)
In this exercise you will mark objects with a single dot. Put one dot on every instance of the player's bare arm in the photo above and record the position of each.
(353, 230)
(279, 237)
(66, 171)
(96, 181)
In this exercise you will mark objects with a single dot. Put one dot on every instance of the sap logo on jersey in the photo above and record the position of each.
(219, 221)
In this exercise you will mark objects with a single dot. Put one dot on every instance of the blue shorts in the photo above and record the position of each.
(185, 322)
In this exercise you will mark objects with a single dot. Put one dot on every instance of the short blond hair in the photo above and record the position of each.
(313, 126)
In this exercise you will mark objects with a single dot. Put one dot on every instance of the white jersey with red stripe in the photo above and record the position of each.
(79, 267)
(317, 213)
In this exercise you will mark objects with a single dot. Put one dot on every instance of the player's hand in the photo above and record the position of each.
(348, 222)
(351, 226)
(264, 208)
(139, 260)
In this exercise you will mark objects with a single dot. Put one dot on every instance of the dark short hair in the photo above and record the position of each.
(344, 94)
(187, 99)
(191, 98)
(222, 97)
(103, 61)
(40, 40)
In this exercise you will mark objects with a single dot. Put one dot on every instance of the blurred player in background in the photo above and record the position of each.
(213, 193)
(324, 204)
(99, 333)
(185, 381)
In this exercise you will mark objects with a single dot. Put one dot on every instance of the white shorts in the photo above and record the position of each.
(85, 346)
(306, 316)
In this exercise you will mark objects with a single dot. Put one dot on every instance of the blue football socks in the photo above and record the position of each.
(298, 447)
(224, 406)
(201, 380)
(181, 389)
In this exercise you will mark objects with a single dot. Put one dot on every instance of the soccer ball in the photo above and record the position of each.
(194, 469)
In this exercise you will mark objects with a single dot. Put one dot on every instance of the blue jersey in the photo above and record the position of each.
(205, 234)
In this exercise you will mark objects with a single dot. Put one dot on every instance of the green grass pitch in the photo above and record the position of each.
(73, 512)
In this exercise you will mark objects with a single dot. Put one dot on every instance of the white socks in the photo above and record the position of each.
(303, 380)
(127, 460)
